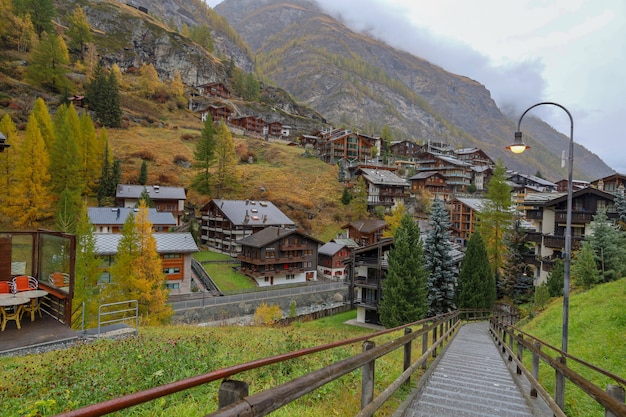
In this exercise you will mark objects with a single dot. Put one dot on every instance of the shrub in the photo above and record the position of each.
(267, 314)
(144, 154)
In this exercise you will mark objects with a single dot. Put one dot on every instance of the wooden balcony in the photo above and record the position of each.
(369, 282)
(270, 261)
(578, 217)
(531, 259)
(558, 242)
(534, 214)
(285, 248)
(534, 237)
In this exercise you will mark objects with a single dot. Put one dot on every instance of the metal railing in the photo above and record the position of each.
(113, 313)
(515, 342)
(436, 330)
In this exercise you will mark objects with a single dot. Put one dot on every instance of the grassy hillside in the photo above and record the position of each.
(52, 382)
(597, 334)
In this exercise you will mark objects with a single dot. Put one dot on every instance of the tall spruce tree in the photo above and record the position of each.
(103, 96)
(476, 287)
(495, 218)
(404, 297)
(585, 273)
(439, 262)
(514, 282)
(556, 279)
(143, 173)
(204, 156)
(620, 206)
(609, 247)
(106, 185)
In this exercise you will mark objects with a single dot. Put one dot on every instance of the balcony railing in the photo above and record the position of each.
(270, 261)
(534, 237)
(288, 247)
(578, 217)
(534, 214)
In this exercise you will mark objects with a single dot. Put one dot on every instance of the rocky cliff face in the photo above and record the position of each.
(360, 82)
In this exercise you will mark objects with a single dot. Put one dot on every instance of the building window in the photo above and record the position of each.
(170, 271)
(172, 286)
(171, 256)
(270, 254)
(290, 276)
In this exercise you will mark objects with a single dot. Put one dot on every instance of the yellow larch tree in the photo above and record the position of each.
(30, 199)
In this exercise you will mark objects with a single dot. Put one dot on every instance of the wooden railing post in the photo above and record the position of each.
(616, 392)
(367, 377)
(407, 354)
(434, 341)
(231, 391)
(559, 384)
(520, 353)
(535, 370)
(424, 345)
(511, 338)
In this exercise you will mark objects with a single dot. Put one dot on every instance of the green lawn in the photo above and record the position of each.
(222, 273)
(597, 334)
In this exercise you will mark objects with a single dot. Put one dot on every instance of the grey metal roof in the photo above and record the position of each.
(118, 215)
(156, 192)
(474, 203)
(347, 242)
(266, 236)
(366, 225)
(383, 176)
(106, 243)
(253, 213)
(330, 248)
(424, 174)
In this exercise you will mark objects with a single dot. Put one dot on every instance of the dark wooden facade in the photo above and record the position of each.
(215, 89)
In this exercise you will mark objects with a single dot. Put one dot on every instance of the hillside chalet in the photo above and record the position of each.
(165, 199)
(215, 89)
(112, 219)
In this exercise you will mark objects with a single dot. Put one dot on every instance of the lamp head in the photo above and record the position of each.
(518, 145)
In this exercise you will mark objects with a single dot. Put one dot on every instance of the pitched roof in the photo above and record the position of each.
(347, 242)
(118, 215)
(269, 235)
(252, 213)
(476, 204)
(367, 225)
(383, 177)
(156, 192)
(330, 248)
(422, 175)
(106, 243)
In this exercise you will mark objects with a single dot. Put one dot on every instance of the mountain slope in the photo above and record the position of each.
(355, 80)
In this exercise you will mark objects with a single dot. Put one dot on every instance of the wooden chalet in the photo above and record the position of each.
(365, 232)
(78, 101)
(331, 260)
(165, 199)
(252, 125)
(217, 112)
(610, 183)
(351, 148)
(384, 188)
(432, 182)
(277, 255)
(548, 211)
(561, 185)
(458, 173)
(215, 89)
(405, 149)
(174, 249)
(275, 129)
(225, 222)
(474, 156)
(463, 216)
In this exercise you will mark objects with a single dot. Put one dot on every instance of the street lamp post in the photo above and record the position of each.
(518, 146)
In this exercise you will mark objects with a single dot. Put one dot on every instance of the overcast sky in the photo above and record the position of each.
(572, 52)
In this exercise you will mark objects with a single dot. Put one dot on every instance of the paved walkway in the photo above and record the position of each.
(471, 379)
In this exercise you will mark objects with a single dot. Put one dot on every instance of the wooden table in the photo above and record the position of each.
(8, 300)
(34, 296)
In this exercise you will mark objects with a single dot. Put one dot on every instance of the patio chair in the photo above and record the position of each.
(59, 279)
(6, 287)
(25, 283)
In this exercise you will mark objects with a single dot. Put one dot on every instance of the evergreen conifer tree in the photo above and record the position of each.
(49, 63)
(609, 247)
(404, 297)
(438, 260)
(585, 273)
(620, 206)
(556, 279)
(204, 155)
(226, 176)
(514, 282)
(476, 287)
(65, 161)
(143, 173)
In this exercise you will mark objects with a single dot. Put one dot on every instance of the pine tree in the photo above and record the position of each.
(103, 96)
(226, 176)
(44, 121)
(204, 155)
(64, 158)
(145, 198)
(41, 13)
(585, 273)
(620, 206)
(404, 297)
(143, 173)
(149, 272)
(106, 185)
(495, 218)
(513, 283)
(7, 158)
(68, 211)
(609, 247)
(87, 268)
(30, 200)
(556, 279)
(438, 260)
(79, 30)
(476, 287)
(346, 196)
(49, 62)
